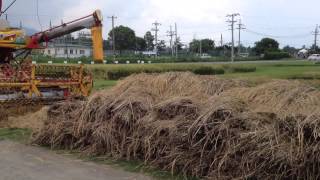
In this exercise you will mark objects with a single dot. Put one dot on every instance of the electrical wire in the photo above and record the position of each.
(38, 17)
(279, 37)
(2, 12)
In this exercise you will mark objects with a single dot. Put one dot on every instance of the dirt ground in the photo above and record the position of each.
(22, 162)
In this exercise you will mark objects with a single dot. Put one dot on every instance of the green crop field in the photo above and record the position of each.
(284, 70)
(300, 70)
(122, 70)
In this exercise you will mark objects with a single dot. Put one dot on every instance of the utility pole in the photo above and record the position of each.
(222, 46)
(156, 30)
(176, 34)
(232, 21)
(316, 33)
(240, 27)
(200, 48)
(171, 34)
(113, 37)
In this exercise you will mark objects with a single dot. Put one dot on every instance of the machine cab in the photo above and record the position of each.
(11, 37)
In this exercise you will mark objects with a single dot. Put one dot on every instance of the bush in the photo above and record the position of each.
(206, 70)
(243, 69)
(239, 69)
(117, 74)
(276, 55)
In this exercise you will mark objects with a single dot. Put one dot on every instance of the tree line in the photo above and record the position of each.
(126, 39)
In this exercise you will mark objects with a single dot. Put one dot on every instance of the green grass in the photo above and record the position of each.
(300, 70)
(20, 135)
(103, 84)
(284, 70)
(123, 70)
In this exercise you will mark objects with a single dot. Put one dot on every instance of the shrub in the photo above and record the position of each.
(117, 74)
(239, 69)
(206, 70)
(243, 69)
(276, 55)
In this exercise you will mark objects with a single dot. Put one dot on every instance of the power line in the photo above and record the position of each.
(113, 37)
(2, 12)
(156, 30)
(38, 17)
(232, 21)
(276, 36)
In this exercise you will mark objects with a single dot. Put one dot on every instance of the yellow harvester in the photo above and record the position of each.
(20, 80)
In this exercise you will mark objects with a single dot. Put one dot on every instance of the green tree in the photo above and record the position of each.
(206, 45)
(149, 38)
(107, 45)
(314, 49)
(290, 50)
(180, 45)
(125, 38)
(266, 45)
(141, 44)
(161, 45)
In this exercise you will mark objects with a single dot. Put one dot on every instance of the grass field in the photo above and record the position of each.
(122, 70)
(284, 70)
(103, 84)
(300, 70)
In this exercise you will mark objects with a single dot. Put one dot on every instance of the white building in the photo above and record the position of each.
(68, 51)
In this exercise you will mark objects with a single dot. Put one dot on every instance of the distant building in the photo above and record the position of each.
(70, 47)
(68, 51)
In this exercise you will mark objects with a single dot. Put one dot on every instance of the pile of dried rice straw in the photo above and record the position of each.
(197, 125)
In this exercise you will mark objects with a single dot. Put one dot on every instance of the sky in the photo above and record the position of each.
(291, 22)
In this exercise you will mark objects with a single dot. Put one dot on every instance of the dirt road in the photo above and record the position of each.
(21, 162)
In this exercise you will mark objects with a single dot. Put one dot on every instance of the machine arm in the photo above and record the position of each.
(93, 21)
(90, 21)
